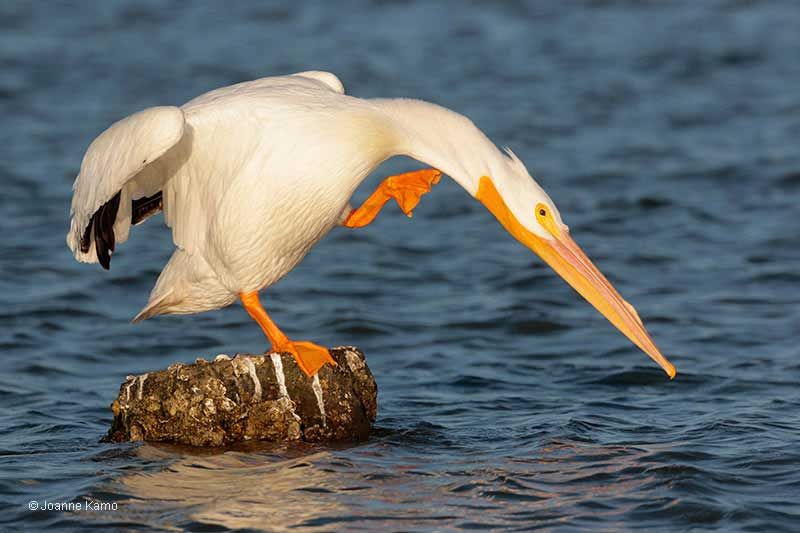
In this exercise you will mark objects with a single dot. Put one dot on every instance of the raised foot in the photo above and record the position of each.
(310, 357)
(408, 188)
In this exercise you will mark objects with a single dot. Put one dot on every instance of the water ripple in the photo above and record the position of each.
(507, 403)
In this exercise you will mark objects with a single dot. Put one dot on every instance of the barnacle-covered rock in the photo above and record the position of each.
(248, 397)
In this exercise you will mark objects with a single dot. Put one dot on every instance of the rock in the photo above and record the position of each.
(248, 397)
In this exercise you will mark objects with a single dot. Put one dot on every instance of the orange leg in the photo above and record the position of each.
(310, 357)
(406, 189)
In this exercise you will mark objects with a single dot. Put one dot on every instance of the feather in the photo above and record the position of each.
(144, 208)
(103, 222)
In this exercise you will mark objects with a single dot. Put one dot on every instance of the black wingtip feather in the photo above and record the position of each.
(103, 223)
(86, 238)
(144, 208)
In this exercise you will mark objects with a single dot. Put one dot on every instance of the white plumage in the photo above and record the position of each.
(251, 176)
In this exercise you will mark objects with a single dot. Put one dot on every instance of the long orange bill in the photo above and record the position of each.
(570, 262)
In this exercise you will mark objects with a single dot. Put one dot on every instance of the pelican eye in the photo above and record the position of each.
(542, 212)
(545, 218)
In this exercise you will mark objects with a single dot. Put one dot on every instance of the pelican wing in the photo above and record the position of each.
(326, 78)
(111, 191)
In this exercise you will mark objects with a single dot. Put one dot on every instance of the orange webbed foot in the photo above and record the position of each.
(310, 357)
(406, 189)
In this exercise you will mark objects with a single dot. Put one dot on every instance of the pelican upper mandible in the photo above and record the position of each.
(251, 176)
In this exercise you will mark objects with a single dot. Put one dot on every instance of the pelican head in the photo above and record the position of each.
(528, 214)
(453, 144)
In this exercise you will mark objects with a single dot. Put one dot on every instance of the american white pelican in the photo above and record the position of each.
(251, 176)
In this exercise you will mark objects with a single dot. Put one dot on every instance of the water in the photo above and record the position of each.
(666, 132)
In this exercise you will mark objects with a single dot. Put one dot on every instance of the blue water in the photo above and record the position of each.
(667, 133)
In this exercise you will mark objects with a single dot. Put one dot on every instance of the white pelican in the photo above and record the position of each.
(251, 176)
